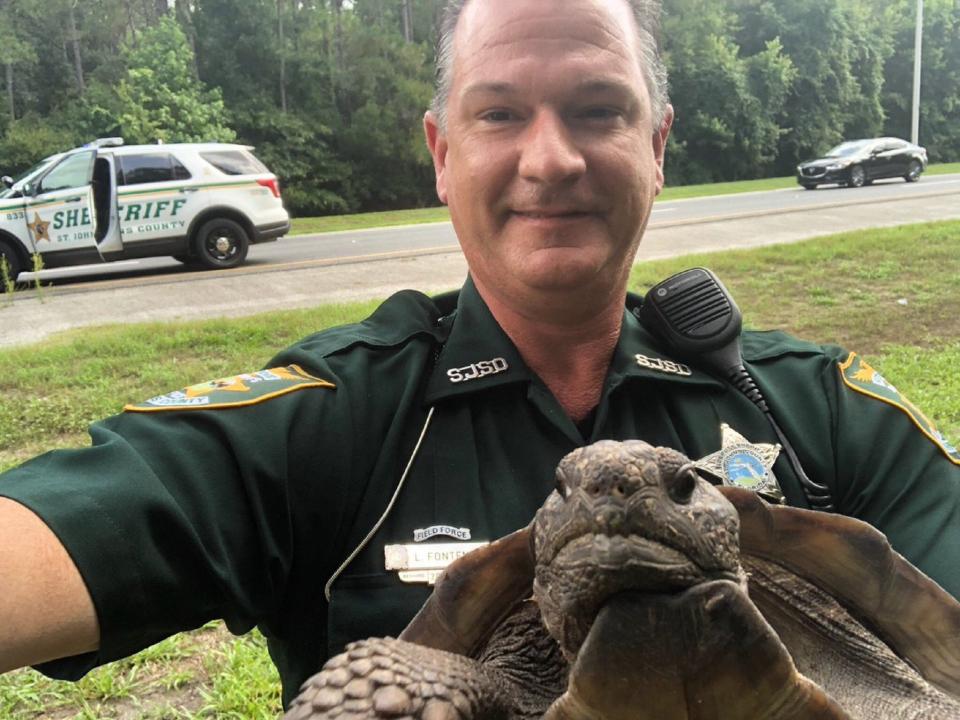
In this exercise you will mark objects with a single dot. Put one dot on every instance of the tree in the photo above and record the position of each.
(727, 101)
(838, 48)
(159, 97)
(384, 91)
(13, 52)
(940, 81)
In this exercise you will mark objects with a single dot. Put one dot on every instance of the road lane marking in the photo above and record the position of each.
(799, 209)
(442, 249)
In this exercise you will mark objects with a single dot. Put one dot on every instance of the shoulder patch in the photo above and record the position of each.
(234, 391)
(860, 377)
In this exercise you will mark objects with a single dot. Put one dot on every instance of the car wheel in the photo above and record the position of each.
(913, 171)
(809, 186)
(221, 243)
(14, 267)
(857, 177)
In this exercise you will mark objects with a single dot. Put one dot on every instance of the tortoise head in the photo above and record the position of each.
(627, 516)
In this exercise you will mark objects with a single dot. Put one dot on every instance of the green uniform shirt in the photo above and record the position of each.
(238, 499)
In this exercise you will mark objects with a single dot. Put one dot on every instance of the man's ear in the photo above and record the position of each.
(437, 144)
(660, 136)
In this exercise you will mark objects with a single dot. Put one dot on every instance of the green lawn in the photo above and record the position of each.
(332, 223)
(881, 292)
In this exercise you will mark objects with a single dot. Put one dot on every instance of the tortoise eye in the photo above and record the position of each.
(684, 481)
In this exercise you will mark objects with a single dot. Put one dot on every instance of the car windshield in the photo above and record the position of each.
(848, 148)
(24, 176)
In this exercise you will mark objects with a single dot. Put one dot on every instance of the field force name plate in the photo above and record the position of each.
(423, 563)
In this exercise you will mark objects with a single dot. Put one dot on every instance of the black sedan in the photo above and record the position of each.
(859, 162)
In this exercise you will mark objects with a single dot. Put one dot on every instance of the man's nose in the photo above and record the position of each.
(550, 154)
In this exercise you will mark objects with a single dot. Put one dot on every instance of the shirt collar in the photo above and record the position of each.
(640, 355)
(478, 355)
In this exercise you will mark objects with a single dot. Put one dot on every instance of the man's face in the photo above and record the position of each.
(549, 162)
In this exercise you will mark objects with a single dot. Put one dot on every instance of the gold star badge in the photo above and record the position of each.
(39, 228)
(743, 464)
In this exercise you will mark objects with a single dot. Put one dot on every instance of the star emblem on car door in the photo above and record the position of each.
(39, 228)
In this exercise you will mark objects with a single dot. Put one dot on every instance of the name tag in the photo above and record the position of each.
(423, 563)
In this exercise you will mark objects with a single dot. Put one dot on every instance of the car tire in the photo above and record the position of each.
(858, 177)
(219, 244)
(808, 186)
(14, 265)
(913, 171)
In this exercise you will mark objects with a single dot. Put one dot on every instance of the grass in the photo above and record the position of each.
(881, 292)
(360, 221)
(943, 168)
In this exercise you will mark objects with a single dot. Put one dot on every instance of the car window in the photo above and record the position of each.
(32, 172)
(150, 168)
(234, 162)
(848, 148)
(74, 171)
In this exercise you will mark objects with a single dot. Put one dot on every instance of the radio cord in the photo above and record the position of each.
(818, 495)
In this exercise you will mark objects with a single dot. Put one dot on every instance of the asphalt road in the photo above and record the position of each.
(353, 245)
(304, 271)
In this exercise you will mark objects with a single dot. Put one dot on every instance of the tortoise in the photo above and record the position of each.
(639, 591)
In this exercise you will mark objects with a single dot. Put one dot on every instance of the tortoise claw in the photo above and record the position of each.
(387, 678)
(706, 654)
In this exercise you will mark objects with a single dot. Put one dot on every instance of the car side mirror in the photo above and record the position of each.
(29, 189)
(7, 181)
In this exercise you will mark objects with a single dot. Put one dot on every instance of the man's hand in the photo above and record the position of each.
(45, 609)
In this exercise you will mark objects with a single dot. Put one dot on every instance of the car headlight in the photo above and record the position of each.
(837, 166)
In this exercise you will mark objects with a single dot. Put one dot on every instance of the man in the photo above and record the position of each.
(314, 499)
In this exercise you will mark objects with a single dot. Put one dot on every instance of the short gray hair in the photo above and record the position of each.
(646, 13)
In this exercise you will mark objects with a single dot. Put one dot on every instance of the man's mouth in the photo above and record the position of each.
(552, 214)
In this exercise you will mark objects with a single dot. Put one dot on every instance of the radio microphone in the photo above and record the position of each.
(695, 316)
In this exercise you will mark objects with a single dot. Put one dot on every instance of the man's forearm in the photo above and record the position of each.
(45, 609)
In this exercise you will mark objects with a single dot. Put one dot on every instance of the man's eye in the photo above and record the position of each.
(600, 113)
(497, 116)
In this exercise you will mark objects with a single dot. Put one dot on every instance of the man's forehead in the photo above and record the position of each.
(488, 23)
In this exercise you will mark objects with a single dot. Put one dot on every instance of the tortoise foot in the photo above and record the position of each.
(387, 678)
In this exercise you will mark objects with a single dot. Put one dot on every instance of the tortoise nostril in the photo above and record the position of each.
(609, 518)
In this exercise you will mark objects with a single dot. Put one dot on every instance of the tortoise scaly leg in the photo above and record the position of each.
(387, 678)
(706, 654)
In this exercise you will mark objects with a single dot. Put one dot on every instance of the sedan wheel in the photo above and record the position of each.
(857, 177)
(913, 171)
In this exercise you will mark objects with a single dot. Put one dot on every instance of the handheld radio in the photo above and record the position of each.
(695, 316)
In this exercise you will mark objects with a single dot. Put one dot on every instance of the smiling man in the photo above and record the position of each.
(549, 151)
(318, 497)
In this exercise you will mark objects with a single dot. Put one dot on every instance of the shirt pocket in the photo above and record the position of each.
(372, 605)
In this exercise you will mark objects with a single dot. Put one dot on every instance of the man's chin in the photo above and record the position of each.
(570, 279)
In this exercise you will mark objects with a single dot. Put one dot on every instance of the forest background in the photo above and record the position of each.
(331, 92)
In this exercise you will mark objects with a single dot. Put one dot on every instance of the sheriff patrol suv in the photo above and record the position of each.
(202, 203)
